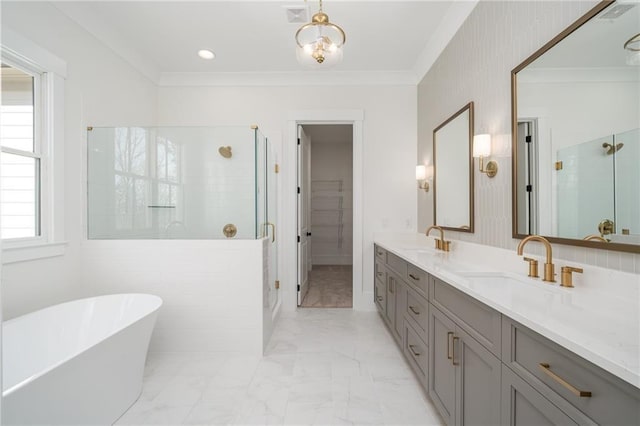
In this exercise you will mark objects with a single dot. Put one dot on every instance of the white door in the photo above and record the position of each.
(304, 243)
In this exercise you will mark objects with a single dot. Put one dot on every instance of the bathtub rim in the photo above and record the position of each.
(33, 377)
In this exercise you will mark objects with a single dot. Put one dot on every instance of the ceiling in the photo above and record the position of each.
(387, 41)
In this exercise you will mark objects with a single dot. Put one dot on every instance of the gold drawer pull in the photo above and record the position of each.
(380, 253)
(453, 351)
(380, 274)
(574, 390)
(411, 308)
(413, 351)
(379, 298)
(449, 334)
(413, 277)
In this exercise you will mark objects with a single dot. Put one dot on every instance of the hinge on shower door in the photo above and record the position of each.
(277, 168)
(277, 284)
(558, 165)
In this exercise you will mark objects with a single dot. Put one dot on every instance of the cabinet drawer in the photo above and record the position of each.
(380, 295)
(476, 318)
(554, 370)
(397, 264)
(415, 310)
(380, 271)
(415, 350)
(523, 405)
(418, 279)
(380, 253)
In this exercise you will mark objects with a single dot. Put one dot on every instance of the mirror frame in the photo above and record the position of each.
(470, 228)
(630, 248)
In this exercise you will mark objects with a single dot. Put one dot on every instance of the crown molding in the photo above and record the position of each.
(447, 29)
(297, 78)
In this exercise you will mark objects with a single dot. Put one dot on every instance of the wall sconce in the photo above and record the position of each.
(423, 174)
(481, 149)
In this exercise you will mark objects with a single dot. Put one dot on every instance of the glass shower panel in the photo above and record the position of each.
(171, 182)
(585, 186)
(627, 183)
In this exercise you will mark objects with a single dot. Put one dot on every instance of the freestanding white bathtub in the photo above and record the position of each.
(77, 363)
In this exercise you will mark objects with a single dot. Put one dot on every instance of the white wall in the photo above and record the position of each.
(100, 90)
(196, 281)
(331, 161)
(476, 65)
(388, 198)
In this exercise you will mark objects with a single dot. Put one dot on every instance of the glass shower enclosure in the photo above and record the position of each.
(180, 183)
(600, 180)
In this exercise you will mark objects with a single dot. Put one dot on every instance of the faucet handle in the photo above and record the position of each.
(445, 245)
(533, 267)
(566, 279)
(438, 244)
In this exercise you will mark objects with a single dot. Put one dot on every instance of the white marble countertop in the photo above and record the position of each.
(594, 321)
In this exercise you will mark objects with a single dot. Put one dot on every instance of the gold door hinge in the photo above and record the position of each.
(89, 128)
(558, 165)
(277, 168)
(277, 285)
(254, 126)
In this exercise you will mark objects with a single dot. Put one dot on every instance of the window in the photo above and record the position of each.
(21, 154)
(31, 150)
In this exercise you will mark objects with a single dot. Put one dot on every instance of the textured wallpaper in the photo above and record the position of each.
(476, 66)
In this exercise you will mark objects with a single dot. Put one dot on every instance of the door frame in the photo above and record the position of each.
(289, 196)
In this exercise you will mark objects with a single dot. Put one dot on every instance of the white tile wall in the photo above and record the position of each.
(476, 66)
(212, 290)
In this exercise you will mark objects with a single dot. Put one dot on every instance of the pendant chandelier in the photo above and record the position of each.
(320, 41)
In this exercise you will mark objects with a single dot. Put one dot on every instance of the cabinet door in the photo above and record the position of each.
(380, 294)
(522, 405)
(477, 382)
(442, 374)
(401, 300)
(390, 311)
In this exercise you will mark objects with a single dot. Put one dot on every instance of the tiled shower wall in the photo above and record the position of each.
(476, 66)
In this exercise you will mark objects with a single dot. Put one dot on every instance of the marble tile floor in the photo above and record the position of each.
(330, 286)
(321, 367)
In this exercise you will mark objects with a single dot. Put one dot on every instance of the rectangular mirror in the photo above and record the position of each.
(576, 133)
(453, 172)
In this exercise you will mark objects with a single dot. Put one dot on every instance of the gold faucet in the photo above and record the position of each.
(548, 265)
(567, 278)
(595, 237)
(441, 244)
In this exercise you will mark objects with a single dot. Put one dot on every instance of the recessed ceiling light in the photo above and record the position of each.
(206, 54)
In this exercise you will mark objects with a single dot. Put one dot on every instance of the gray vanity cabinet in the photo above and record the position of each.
(390, 292)
(442, 377)
(483, 368)
(464, 380)
(585, 392)
(522, 405)
(396, 298)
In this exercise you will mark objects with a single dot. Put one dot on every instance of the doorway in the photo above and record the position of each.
(325, 215)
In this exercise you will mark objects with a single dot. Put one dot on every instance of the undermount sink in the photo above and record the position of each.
(509, 284)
